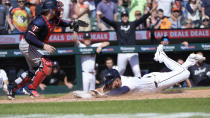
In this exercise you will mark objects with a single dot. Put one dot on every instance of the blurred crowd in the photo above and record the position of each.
(15, 15)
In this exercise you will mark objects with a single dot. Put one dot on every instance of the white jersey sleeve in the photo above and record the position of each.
(115, 67)
(96, 44)
(81, 45)
(130, 82)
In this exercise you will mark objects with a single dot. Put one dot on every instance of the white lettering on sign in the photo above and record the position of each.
(99, 36)
(127, 48)
(179, 34)
(17, 53)
(57, 38)
(169, 48)
(69, 37)
(199, 33)
(148, 48)
(61, 51)
(86, 50)
(161, 34)
(205, 46)
(3, 53)
(186, 33)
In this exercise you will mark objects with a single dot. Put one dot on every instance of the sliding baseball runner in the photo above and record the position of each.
(152, 82)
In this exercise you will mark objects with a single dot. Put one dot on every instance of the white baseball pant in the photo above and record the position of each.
(133, 59)
(157, 81)
(88, 80)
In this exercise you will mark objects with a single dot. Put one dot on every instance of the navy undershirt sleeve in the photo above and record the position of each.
(31, 39)
(118, 91)
(34, 30)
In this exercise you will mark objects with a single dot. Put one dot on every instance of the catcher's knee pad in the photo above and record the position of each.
(44, 70)
(23, 79)
(46, 66)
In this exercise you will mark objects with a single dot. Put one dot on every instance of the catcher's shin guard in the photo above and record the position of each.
(44, 70)
(24, 78)
(24, 82)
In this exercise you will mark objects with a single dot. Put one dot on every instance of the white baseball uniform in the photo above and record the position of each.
(157, 81)
(3, 77)
(88, 69)
(133, 59)
(115, 67)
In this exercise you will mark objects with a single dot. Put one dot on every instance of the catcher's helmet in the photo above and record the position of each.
(110, 75)
(49, 4)
(60, 5)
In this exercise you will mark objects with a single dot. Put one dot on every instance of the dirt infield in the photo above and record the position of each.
(132, 96)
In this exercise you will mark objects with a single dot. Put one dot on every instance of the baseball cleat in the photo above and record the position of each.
(27, 92)
(11, 97)
(194, 58)
(11, 94)
(31, 93)
(158, 53)
(200, 57)
(35, 93)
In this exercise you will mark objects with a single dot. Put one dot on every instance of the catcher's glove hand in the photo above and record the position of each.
(75, 26)
(78, 23)
(82, 23)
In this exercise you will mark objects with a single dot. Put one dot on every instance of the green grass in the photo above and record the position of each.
(110, 107)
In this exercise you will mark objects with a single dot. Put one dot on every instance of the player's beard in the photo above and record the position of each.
(116, 86)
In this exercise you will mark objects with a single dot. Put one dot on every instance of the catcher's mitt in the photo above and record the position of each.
(79, 23)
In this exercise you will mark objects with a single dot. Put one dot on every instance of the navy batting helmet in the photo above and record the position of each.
(110, 75)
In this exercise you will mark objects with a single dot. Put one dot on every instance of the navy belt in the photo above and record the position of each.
(89, 72)
(156, 84)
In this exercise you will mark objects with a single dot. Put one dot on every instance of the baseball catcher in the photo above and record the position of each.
(36, 38)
